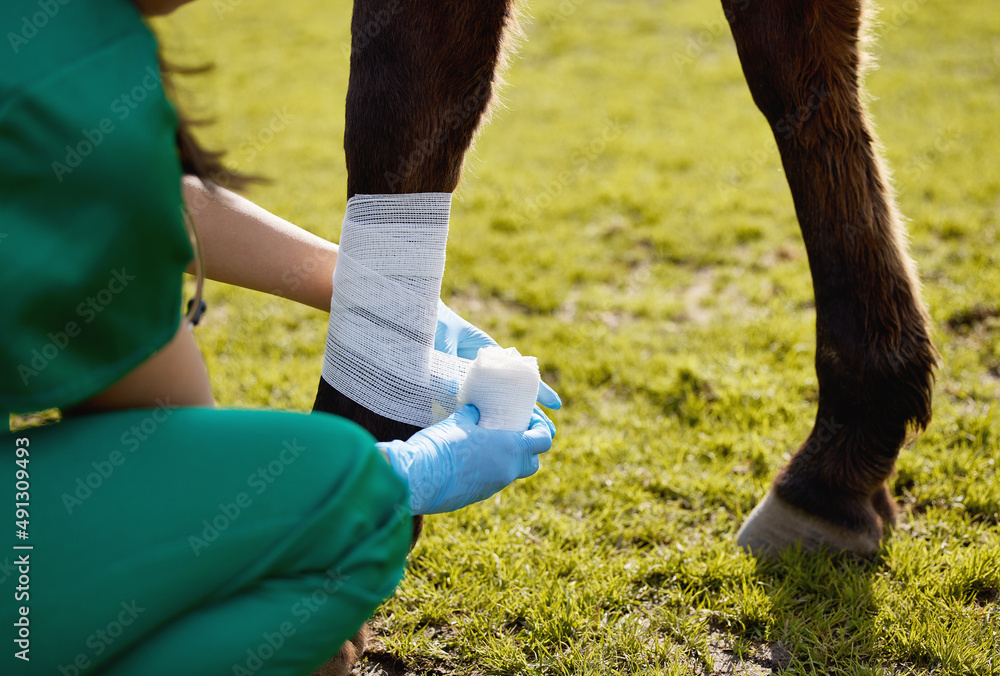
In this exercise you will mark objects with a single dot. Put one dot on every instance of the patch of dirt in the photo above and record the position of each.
(763, 659)
(701, 287)
(791, 250)
(380, 663)
(987, 597)
(377, 661)
(727, 302)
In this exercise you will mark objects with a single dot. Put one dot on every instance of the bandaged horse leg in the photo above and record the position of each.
(421, 79)
(874, 356)
(422, 76)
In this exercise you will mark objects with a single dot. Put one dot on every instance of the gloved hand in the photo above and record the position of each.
(456, 463)
(454, 335)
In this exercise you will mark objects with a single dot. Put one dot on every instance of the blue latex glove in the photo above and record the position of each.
(454, 335)
(456, 463)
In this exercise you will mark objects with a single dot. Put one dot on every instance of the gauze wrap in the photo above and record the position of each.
(383, 314)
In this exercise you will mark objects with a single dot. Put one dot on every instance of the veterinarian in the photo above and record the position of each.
(158, 534)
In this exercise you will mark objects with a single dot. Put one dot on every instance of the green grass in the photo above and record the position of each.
(625, 218)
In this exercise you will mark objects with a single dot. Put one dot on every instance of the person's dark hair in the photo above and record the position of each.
(195, 159)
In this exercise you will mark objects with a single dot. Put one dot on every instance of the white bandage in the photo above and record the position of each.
(383, 315)
(503, 385)
(386, 285)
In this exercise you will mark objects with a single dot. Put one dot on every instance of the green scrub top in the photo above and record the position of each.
(92, 236)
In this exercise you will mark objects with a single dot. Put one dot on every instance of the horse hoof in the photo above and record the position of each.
(348, 656)
(774, 526)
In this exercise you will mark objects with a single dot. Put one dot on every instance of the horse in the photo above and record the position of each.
(422, 78)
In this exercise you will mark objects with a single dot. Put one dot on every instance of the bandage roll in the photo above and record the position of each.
(503, 385)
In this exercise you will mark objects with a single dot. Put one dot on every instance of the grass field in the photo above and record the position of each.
(625, 218)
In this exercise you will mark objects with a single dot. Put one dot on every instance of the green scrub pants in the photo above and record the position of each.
(195, 542)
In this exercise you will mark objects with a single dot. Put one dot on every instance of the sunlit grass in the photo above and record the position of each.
(625, 218)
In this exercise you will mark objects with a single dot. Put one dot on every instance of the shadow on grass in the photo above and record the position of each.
(908, 610)
(823, 610)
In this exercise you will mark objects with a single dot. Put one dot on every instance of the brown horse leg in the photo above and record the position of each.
(874, 356)
(422, 76)
(421, 79)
